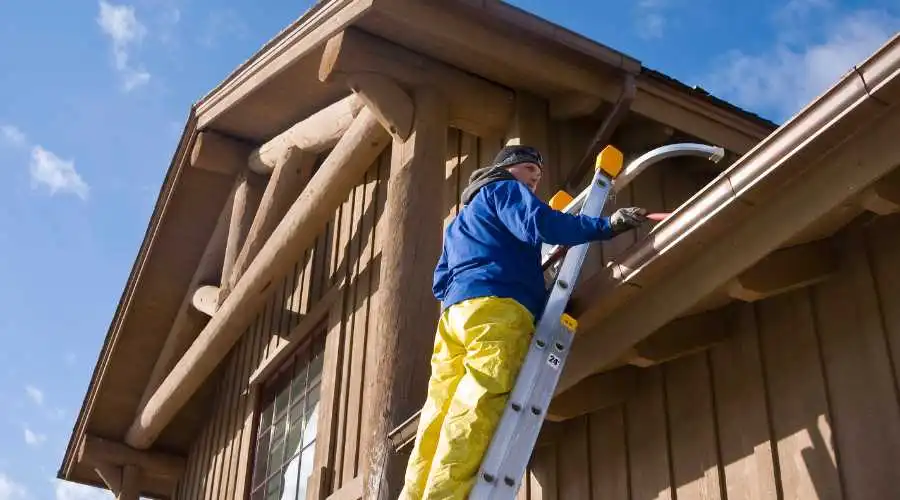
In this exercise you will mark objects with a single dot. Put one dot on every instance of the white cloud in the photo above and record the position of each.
(34, 439)
(816, 45)
(58, 175)
(120, 23)
(66, 490)
(9, 489)
(35, 394)
(13, 135)
(651, 21)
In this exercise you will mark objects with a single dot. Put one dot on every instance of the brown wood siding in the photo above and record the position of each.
(800, 402)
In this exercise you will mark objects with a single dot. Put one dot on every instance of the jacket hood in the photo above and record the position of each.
(483, 177)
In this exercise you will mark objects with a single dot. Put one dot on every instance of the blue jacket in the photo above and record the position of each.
(493, 247)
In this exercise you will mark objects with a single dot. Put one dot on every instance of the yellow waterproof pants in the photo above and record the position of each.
(479, 347)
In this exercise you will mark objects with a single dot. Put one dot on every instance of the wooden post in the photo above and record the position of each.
(406, 311)
(131, 483)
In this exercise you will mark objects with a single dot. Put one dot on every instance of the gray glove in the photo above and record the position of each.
(626, 219)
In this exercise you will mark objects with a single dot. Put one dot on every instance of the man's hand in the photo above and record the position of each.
(626, 219)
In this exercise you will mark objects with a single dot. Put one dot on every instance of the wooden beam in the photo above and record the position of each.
(883, 197)
(97, 450)
(218, 153)
(682, 337)
(476, 106)
(594, 393)
(784, 270)
(316, 134)
(305, 220)
(292, 172)
(390, 103)
(111, 475)
(206, 299)
(404, 309)
(247, 196)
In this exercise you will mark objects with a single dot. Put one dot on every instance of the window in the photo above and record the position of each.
(286, 434)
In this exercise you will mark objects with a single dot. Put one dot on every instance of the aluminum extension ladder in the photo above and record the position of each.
(513, 442)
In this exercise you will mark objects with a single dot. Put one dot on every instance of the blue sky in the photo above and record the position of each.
(95, 95)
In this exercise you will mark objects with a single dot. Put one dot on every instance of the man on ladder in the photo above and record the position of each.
(491, 286)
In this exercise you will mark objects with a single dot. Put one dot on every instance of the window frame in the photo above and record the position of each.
(313, 346)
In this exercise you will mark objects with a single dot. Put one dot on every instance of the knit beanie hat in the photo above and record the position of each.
(511, 155)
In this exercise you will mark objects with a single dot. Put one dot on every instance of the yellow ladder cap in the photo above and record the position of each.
(569, 322)
(610, 161)
(560, 200)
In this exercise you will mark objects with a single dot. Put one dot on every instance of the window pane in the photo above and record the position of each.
(305, 471)
(309, 434)
(291, 476)
(274, 487)
(293, 438)
(281, 401)
(262, 453)
(298, 385)
(266, 419)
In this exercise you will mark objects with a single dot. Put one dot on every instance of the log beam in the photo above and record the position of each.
(247, 196)
(96, 450)
(316, 134)
(218, 153)
(475, 105)
(292, 172)
(205, 299)
(390, 103)
(308, 216)
(785, 270)
(404, 307)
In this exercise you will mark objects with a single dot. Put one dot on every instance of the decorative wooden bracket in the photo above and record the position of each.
(391, 104)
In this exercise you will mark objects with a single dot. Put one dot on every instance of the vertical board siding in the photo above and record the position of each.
(801, 401)
(220, 462)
